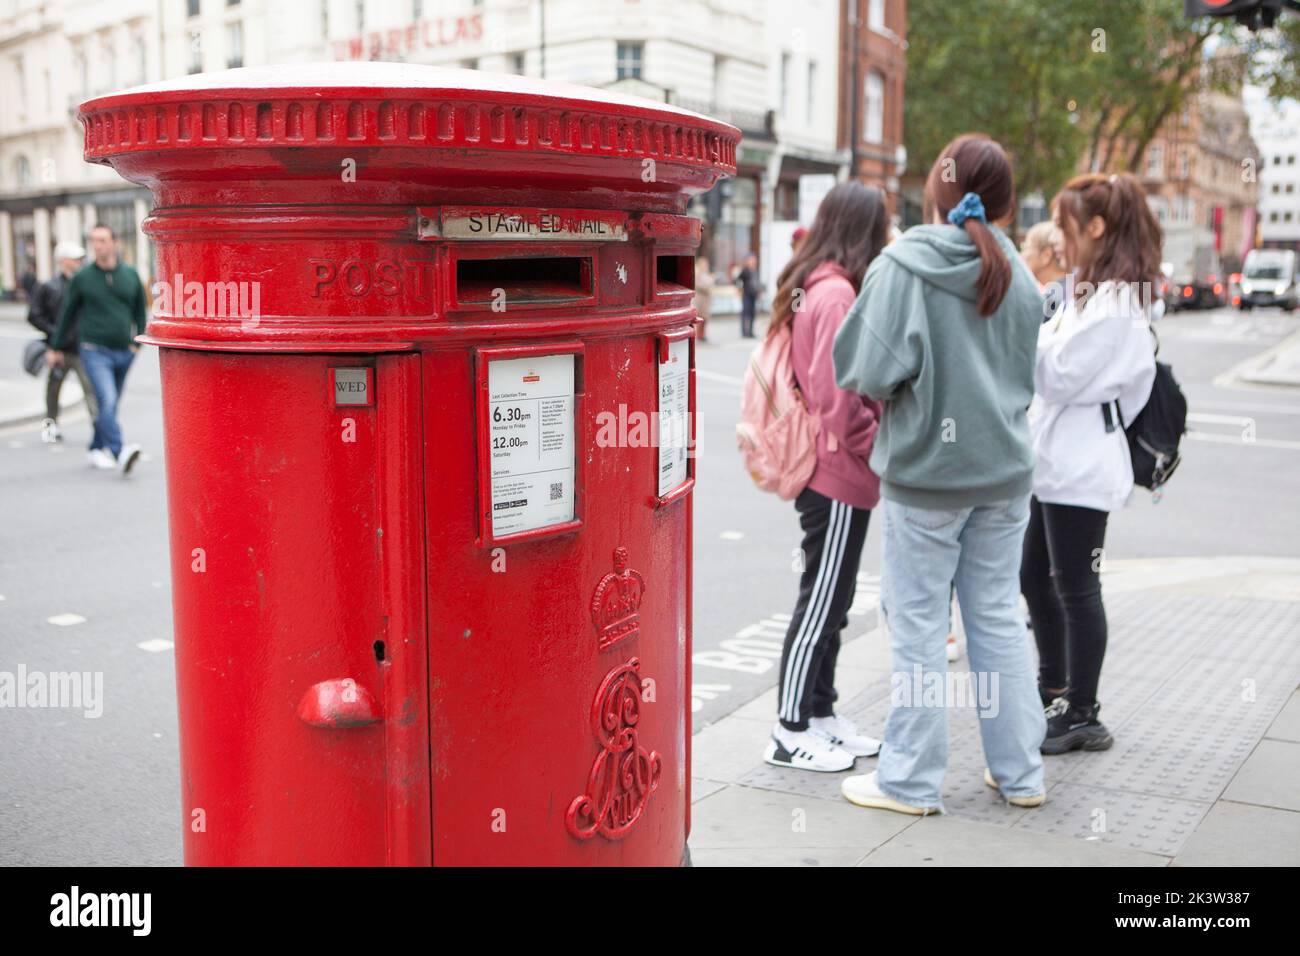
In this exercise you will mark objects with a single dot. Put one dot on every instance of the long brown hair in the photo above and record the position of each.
(850, 229)
(973, 163)
(1130, 246)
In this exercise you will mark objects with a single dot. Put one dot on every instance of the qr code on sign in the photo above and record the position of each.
(557, 490)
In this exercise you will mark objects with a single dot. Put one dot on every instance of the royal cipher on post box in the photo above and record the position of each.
(431, 579)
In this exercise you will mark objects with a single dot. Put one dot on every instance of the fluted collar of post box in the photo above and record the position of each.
(399, 106)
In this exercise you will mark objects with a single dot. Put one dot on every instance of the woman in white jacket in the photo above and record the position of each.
(1093, 374)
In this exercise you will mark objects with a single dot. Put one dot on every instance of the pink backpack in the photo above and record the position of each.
(777, 434)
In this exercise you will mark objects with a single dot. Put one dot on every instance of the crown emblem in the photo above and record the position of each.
(616, 603)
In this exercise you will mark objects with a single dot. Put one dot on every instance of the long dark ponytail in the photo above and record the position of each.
(973, 163)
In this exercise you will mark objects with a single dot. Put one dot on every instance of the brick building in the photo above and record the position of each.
(873, 70)
(1200, 173)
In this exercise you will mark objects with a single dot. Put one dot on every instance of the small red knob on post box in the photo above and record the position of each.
(427, 354)
(336, 704)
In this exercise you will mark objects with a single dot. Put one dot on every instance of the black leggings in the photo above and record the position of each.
(1061, 581)
(833, 535)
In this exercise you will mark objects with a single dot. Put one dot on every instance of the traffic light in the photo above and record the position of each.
(1253, 13)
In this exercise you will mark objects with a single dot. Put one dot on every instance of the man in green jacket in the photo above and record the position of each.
(106, 301)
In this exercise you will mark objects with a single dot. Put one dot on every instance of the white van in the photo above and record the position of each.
(1268, 278)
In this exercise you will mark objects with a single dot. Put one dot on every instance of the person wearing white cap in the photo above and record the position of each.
(44, 314)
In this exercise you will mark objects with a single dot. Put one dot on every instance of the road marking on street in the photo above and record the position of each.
(155, 645)
(65, 620)
(17, 444)
(1231, 337)
(757, 647)
(1206, 418)
(1237, 440)
(1253, 407)
(731, 535)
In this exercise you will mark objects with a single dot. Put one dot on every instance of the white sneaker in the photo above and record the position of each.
(806, 750)
(1035, 801)
(954, 649)
(99, 458)
(126, 461)
(50, 431)
(843, 734)
(863, 791)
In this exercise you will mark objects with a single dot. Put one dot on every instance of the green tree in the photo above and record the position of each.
(1011, 76)
(1057, 82)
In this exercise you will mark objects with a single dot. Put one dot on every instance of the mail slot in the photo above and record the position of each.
(431, 595)
(523, 280)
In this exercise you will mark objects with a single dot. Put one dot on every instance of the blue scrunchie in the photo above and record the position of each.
(970, 207)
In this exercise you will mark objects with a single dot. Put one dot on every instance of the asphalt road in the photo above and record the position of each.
(73, 542)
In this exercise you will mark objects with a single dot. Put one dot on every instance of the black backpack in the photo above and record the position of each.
(1154, 435)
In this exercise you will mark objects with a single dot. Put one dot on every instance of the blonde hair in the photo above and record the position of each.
(1038, 238)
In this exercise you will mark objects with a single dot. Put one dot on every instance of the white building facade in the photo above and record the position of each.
(770, 67)
(1276, 128)
(54, 55)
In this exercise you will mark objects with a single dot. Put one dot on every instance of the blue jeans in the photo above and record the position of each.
(106, 368)
(977, 549)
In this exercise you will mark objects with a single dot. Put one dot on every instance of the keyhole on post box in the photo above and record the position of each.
(379, 651)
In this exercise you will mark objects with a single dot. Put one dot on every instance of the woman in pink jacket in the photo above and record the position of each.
(814, 292)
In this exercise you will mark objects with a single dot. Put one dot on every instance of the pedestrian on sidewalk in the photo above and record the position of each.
(1042, 253)
(28, 281)
(105, 301)
(1093, 374)
(814, 292)
(703, 296)
(943, 334)
(750, 287)
(47, 298)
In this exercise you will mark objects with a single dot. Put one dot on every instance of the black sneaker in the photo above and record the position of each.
(1069, 728)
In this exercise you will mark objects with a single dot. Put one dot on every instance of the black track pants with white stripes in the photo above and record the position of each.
(833, 535)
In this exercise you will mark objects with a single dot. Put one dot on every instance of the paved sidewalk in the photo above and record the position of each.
(1279, 365)
(1199, 689)
(22, 396)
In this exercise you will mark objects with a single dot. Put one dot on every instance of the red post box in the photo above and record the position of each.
(425, 335)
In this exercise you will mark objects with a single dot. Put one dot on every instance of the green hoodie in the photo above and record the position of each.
(955, 385)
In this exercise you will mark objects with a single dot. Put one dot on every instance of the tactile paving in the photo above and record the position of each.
(1130, 820)
(1190, 685)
